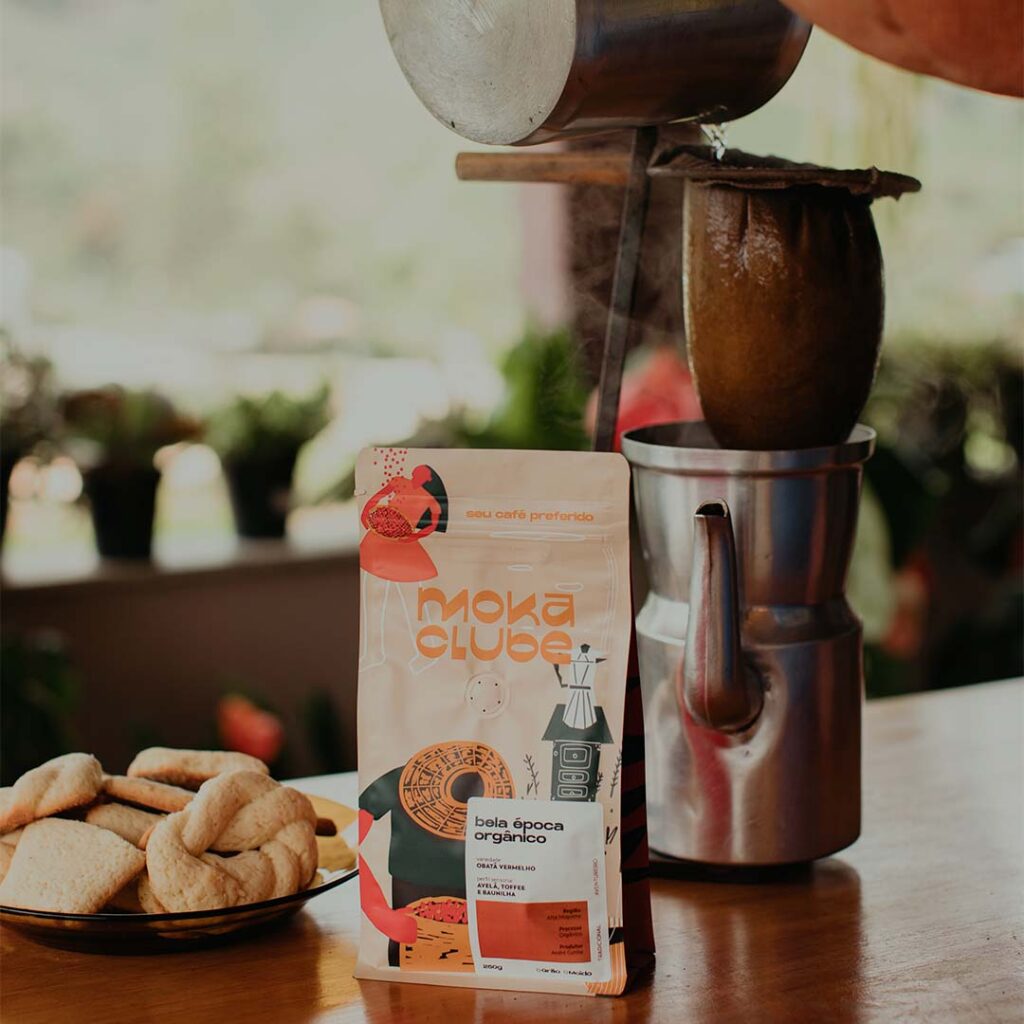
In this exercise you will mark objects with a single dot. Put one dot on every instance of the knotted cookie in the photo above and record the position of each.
(268, 827)
(190, 768)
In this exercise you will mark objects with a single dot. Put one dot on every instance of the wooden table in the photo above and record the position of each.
(922, 919)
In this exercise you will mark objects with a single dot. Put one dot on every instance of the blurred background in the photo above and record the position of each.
(234, 252)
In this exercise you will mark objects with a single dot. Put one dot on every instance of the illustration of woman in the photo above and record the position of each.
(397, 519)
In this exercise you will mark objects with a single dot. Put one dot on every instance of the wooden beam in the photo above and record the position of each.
(610, 169)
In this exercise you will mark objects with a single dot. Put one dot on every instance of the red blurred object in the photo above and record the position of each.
(906, 634)
(248, 729)
(657, 387)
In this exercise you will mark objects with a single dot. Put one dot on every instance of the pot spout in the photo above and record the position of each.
(717, 687)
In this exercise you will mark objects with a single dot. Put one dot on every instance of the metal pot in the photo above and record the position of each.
(518, 72)
(750, 657)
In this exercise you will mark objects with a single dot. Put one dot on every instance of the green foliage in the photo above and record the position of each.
(115, 426)
(267, 427)
(947, 474)
(542, 408)
(27, 399)
(38, 696)
(948, 420)
(545, 398)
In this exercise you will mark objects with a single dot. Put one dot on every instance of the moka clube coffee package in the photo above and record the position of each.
(501, 802)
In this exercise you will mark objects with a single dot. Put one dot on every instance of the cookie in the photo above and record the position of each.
(147, 793)
(293, 854)
(136, 898)
(341, 815)
(191, 768)
(129, 823)
(242, 811)
(68, 866)
(6, 856)
(270, 827)
(147, 901)
(11, 838)
(333, 852)
(181, 880)
(58, 785)
(126, 900)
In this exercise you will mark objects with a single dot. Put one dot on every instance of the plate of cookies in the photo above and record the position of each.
(189, 847)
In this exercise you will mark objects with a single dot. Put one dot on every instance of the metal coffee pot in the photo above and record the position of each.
(750, 657)
(518, 72)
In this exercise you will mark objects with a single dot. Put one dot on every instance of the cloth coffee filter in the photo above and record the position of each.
(783, 293)
(748, 171)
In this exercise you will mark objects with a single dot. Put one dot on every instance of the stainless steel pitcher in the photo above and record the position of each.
(518, 72)
(750, 657)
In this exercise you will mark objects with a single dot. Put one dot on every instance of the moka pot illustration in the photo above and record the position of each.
(577, 729)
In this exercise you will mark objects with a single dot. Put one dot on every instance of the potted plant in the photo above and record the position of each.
(114, 434)
(27, 413)
(545, 398)
(258, 440)
(543, 407)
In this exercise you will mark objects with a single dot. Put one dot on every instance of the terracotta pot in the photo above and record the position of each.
(783, 298)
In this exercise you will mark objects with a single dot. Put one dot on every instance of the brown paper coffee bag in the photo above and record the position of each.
(502, 824)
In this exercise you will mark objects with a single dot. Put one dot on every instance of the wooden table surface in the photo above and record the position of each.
(922, 919)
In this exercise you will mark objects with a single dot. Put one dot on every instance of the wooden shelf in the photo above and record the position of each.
(175, 565)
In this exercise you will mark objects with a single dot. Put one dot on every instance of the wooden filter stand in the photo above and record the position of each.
(627, 170)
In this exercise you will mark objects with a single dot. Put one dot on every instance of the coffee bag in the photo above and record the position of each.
(502, 821)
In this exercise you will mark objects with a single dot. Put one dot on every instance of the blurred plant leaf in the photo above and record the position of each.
(267, 427)
(118, 426)
(542, 407)
(28, 401)
(545, 398)
(37, 700)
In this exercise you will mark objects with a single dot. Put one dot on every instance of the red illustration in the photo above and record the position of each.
(397, 518)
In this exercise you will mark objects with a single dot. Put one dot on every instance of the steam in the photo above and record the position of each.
(594, 217)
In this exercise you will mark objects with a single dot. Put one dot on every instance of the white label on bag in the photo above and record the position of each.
(535, 889)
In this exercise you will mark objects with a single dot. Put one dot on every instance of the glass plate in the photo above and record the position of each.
(161, 933)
